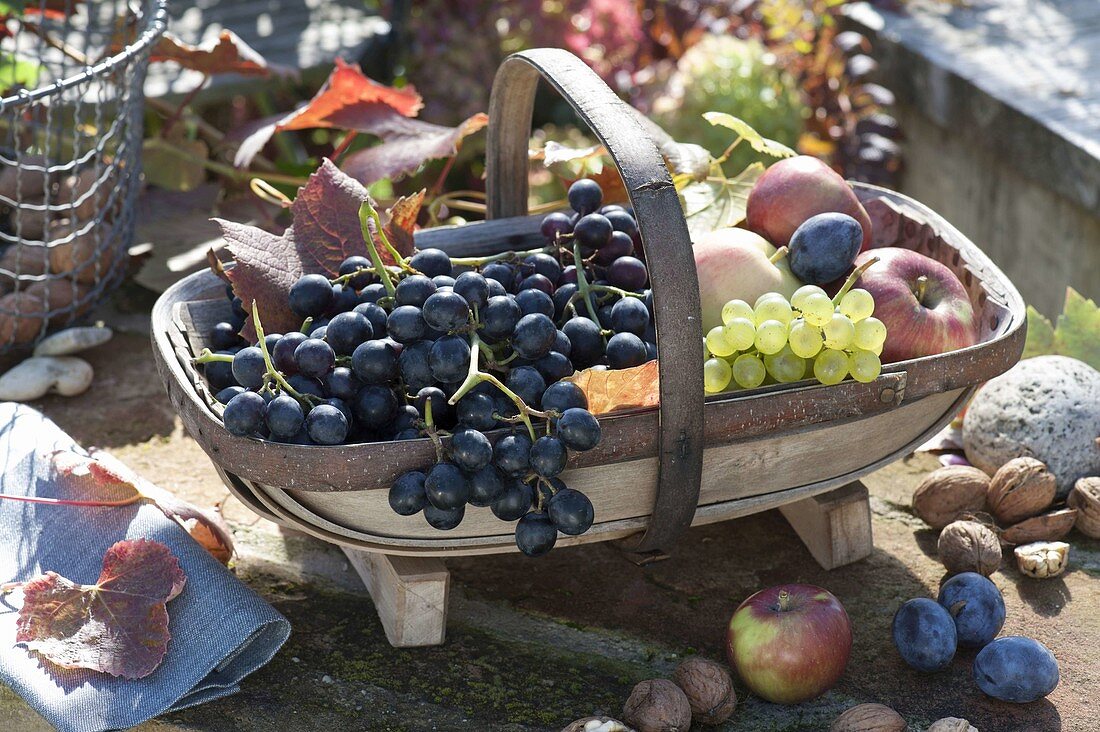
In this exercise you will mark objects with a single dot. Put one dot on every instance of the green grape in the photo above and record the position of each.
(736, 309)
(740, 333)
(857, 304)
(817, 309)
(773, 309)
(870, 334)
(798, 299)
(768, 296)
(748, 371)
(717, 343)
(805, 339)
(839, 332)
(771, 336)
(864, 366)
(716, 375)
(706, 351)
(785, 366)
(831, 366)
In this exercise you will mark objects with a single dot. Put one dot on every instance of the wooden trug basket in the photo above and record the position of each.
(798, 447)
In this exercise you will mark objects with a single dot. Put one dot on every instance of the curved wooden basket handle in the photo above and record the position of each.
(665, 239)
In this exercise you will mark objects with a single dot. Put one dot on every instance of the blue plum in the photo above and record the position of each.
(977, 606)
(1016, 669)
(823, 248)
(924, 634)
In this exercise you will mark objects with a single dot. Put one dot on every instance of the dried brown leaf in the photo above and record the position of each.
(613, 390)
(225, 54)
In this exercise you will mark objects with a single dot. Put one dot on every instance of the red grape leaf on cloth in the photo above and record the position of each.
(612, 390)
(225, 54)
(118, 626)
(408, 144)
(101, 473)
(348, 100)
(325, 231)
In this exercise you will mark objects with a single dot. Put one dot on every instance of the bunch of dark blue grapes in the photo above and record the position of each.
(369, 366)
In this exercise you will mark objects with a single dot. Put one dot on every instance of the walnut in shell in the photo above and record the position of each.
(947, 493)
(657, 705)
(968, 546)
(1050, 526)
(869, 718)
(952, 724)
(1043, 559)
(1085, 497)
(1020, 489)
(709, 690)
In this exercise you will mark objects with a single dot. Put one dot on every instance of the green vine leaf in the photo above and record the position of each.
(1040, 334)
(758, 142)
(1076, 333)
(718, 202)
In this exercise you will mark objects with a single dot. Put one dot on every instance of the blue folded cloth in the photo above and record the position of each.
(221, 630)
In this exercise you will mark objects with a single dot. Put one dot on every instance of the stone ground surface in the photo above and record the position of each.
(533, 644)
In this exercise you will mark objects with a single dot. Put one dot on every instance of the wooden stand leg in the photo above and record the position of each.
(834, 526)
(410, 594)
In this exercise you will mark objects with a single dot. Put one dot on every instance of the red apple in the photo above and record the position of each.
(924, 306)
(793, 190)
(790, 643)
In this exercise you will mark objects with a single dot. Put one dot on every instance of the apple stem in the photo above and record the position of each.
(779, 254)
(784, 601)
(922, 285)
(852, 279)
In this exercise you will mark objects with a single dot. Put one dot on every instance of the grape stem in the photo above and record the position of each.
(501, 257)
(307, 326)
(852, 279)
(582, 283)
(433, 434)
(273, 373)
(208, 356)
(780, 253)
(367, 213)
(475, 376)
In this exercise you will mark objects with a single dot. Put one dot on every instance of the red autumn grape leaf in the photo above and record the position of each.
(118, 626)
(408, 144)
(349, 100)
(101, 474)
(325, 231)
(225, 54)
(612, 390)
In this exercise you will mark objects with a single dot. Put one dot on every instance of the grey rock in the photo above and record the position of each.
(73, 340)
(1046, 407)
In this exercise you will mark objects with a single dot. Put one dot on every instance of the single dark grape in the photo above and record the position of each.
(578, 429)
(407, 416)
(406, 324)
(220, 373)
(446, 486)
(362, 265)
(374, 406)
(618, 245)
(571, 512)
(470, 450)
(314, 357)
(301, 437)
(473, 288)
(548, 456)
(629, 315)
(622, 221)
(306, 385)
(375, 362)
(376, 315)
(249, 367)
(562, 297)
(650, 351)
(503, 273)
(625, 350)
(446, 311)
(562, 344)
(373, 292)
(495, 288)
(284, 417)
(628, 273)
(409, 433)
(326, 425)
(319, 333)
(543, 264)
(593, 231)
(270, 339)
(476, 411)
(282, 356)
(228, 393)
(407, 496)
(513, 501)
(224, 335)
(533, 336)
(310, 296)
(528, 384)
(441, 409)
(346, 331)
(585, 196)
(344, 407)
(568, 276)
(449, 359)
(564, 395)
(486, 485)
(443, 520)
(611, 207)
(413, 363)
(603, 314)
(414, 290)
(554, 225)
(587, 346)
(535, 301)
(554, 367)
(536, 282)
(344, 298)
(431, 262)
(341, 383)
(236, 306)
(244, 414)
(535, 534)
(443, 283)
(500, 316)
(512, 454)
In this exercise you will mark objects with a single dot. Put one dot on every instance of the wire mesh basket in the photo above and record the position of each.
(71, 104)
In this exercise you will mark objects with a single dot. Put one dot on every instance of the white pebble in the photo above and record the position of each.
(73, 340)
(326, 679)
(39, 375)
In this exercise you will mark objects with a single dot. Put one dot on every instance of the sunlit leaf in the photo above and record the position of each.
(759, 143)
(611, 390)
(1040, 334)
(1077, 332)
(222, 55)
(406, 145)
(719, 202)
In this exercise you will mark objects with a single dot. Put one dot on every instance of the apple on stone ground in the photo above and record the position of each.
(792, 190)
(924, 306)
(736, 264)
(790, 643)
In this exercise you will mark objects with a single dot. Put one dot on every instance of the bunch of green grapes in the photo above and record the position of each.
(782, 340)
